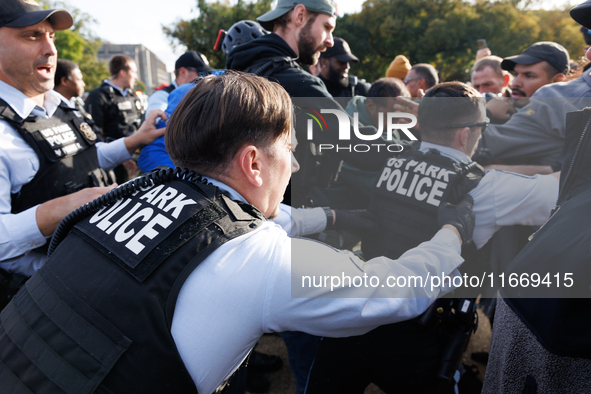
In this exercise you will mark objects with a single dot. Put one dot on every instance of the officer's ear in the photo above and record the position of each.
(250, 165)
(462, 136)
(63, 81)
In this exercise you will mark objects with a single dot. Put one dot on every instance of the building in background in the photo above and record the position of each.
(152, 71)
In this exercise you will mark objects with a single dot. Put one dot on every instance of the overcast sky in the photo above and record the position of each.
(140, 21)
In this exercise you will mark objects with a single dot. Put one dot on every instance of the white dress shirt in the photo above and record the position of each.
(253, 285)
(505, 198)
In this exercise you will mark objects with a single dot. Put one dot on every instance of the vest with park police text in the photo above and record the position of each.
(407, 195)
(102, 306)
(65, 146)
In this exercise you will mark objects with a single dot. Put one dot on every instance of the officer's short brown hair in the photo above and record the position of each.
(222, 114)
(118, 63)
(448, 104)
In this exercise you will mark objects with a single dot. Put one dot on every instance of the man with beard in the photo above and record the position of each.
(301, 30)
(334, 71)
(541, 64)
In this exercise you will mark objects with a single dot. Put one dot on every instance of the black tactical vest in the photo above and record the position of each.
(67, 156)
(97, 316)
(407, 196)
(122, 116)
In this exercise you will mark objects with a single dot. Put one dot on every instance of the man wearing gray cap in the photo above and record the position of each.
(540, 341)
(301, 31)
(542, 63)
(334, 71)
(50, 162)
(535, 134)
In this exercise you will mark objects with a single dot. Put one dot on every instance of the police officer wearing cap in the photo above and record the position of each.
(144, 287)
(187, 67)
(334, 71)
(50, 161)
(540, 340)
(405, 357)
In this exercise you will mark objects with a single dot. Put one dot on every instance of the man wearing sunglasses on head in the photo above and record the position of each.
(409, 189)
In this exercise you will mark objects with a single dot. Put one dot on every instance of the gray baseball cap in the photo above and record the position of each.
(284, 6)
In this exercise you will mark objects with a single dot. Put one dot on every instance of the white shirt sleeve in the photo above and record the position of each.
(19, 233)
(112, 154)
(248, 287)
(300, 221)
(505, 199)
(330, 292)
(158, 100)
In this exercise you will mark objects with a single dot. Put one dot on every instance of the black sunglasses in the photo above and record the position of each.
(481, 124)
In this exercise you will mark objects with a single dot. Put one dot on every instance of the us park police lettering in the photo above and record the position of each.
(62, 140)
(416, 179)
(132, 228)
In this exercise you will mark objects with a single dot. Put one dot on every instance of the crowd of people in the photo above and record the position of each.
(148, 251)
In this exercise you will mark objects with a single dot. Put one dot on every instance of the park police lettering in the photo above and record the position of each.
(59, 135)
(428, 182)
(123, 220)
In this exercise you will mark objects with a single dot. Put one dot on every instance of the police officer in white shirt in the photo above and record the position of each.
(174, 276)
(43, 179)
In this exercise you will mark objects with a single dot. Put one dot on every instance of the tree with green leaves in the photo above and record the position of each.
(439, 32)
(444, 33)
(200, 34)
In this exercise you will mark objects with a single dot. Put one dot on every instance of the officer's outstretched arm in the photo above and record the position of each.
(147, 133)
(50, 213)
(459, 218)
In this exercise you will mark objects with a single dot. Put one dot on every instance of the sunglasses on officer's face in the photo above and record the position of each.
(407, 80)
(481, 124)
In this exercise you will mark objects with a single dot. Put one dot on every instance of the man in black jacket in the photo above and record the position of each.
(301, 33)
(540, 341)
(115, 109)
(334, 71)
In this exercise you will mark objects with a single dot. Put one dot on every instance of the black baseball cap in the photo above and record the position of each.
(582, 14)
(340, 50)
(553, 53)
(23, 13)
(193, 59)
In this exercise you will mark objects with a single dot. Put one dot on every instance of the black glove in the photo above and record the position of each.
(460, 216)
(358, 221)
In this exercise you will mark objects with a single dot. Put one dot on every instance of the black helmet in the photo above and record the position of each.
(241, 33)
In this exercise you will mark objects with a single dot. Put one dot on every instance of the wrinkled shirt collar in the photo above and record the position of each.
(446, 151)
(123, 92)
(25, 106)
